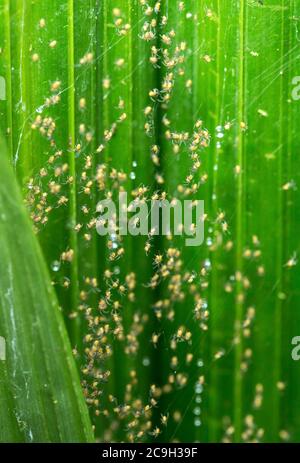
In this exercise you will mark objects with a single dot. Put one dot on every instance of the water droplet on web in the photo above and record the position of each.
(197, 411)
(220, 135)
(198, 388)
(200, 363)
(197, 422)
(198, 399)
(207, 264)
(134, 164)
(146, 361)
(219, 128)
(55, 266)
(114, 239)
(132, 175)
(116, 270)
(39, 110)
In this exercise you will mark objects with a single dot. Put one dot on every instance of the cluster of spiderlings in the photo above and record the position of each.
(122, 27)
(105, 326)
(43, 200)
(251, 432)
(101, 304)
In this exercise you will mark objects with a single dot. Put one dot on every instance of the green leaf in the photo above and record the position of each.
(41, 397)
(235, 74)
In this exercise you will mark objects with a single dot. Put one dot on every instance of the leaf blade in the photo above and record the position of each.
(41, 381)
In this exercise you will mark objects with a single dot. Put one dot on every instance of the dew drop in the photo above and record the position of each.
(197, 411)
(55, 266)
(197, 422)
(198, 388)
(39, 110)
(207, 264)
(146, 361)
